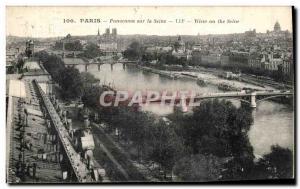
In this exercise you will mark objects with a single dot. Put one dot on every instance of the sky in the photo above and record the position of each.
(49, 21)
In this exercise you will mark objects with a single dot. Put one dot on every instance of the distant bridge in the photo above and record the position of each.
(99, 63)
(251, 98)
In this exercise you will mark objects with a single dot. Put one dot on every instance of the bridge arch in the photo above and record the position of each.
(274, 96)
(229, 98)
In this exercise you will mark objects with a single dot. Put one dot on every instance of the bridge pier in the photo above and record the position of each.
(124, 66)
(99, 65)
(181, 107)
(86, 67)
(253, 100)
(111, 67)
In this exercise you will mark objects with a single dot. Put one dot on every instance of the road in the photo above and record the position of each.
(117, 165)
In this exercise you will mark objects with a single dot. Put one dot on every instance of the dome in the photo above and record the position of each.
(277, 27)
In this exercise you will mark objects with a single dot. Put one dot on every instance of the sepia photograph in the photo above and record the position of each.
(150, 94)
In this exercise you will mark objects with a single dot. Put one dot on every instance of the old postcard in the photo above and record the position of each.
(149, 94)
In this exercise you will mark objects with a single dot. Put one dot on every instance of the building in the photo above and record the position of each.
(287, 66)
(108, 41)
(250, 33)
(277, 27)
(114, 32)
(179, 50)
(196, 47)
(255, 61)
(29, 48)
(277, 32)
(239, 58)
(271, 61)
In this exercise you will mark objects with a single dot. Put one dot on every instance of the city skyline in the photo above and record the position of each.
(44, 26)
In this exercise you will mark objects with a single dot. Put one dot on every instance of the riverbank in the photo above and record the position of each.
(208, 77)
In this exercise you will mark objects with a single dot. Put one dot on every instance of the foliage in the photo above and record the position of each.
(154, 139)
(199, 168)
(281, 159)
(91, 96)
(69, 46)
(91, 51)
(166, 146)
(20, 63)
(214, 126)
(220, 129)
(71, 83)
(53, 64)
(277, 164)
(88, 79)
(134, 51)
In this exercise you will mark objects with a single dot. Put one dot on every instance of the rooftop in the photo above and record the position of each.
(32, 65)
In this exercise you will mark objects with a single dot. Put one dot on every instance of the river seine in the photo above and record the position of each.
(273, 122)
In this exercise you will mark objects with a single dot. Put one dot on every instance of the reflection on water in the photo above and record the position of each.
(133, 79)
(273, 122)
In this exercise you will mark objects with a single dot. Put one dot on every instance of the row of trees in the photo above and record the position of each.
(211, 144)
(69, 46)
(70, 80)
(91, 51)
(154, 139)
(136, 51)
(217, 134)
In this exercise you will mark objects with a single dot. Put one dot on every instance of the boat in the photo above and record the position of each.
(226, 87)
(189, 75)
(201, 83)
(166, 74)
(177, 75)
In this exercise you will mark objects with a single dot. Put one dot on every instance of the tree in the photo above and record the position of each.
(213, 126)
(52, 63)
(69, 46)
(91, 51)
(20, 63)
(134, 51)
(278, 164)
(281, 162)
(218, 128)
(88, 79)
(166, 146)
(71, 83)
(91, 96)
(199, 168)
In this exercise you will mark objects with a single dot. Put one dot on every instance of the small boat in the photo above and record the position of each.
(201, 83)
(226, 87)
(189, 75)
